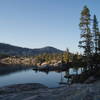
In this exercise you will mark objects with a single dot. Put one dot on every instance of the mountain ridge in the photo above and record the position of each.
(23, 51)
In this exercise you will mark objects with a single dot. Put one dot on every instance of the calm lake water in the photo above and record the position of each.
(18, 75)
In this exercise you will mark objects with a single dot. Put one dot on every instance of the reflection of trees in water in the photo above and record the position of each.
(70, 76)
(67, 75)
(62, 80)
(80, 75)
(47, 71)
(8, 69)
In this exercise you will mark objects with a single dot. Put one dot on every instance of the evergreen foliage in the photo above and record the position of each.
(91, 38)
(86, 34)
(96, 35)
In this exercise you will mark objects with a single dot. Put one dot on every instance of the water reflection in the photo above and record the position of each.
(23, 74)
(9, 69)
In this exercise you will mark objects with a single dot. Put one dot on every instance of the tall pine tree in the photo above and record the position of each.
(86, 35)
(99, 43)
(96, 35)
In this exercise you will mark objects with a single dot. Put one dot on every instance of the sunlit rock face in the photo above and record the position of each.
(41, 92)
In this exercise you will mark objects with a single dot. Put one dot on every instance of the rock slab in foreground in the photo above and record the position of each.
(41, 92)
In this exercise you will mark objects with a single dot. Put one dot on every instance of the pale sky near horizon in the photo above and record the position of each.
(40, 23)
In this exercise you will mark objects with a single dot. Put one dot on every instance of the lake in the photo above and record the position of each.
(10, 75)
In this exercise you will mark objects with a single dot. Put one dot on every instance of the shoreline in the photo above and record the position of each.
(36, 91)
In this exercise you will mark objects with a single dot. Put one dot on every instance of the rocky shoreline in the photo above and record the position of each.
(25, 61)
(17, 61)
(36, 91)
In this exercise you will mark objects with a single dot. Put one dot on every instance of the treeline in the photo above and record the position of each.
(4, 56)
(90, 36)
(65, 58)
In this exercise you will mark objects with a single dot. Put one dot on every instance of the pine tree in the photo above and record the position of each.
(96, 35)
(85, 26)
(99, 43)
(66, 56)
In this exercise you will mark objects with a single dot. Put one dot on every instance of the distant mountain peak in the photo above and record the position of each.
(20, 51)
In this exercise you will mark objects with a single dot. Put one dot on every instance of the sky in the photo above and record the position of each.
(40, 23)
